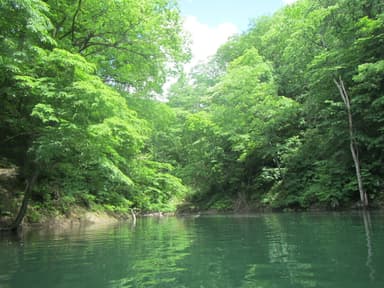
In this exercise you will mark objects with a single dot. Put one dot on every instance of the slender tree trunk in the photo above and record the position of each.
(353, 145)
(24, 205)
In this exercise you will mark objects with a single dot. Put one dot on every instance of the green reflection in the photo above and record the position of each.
(160, 243)
(275, 250)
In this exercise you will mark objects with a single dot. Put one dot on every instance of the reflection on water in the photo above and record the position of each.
(273, 250)
(368, 228)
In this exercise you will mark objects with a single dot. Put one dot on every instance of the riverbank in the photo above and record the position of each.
(11, 193)
(77, 216)
(63, 216)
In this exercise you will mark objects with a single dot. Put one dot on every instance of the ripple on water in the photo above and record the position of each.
(272, 250)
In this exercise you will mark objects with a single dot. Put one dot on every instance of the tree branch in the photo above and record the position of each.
(58, 26)
(74, 20)
(111, 45)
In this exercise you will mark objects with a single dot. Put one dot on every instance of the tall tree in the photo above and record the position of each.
(135, 44)
(353, 145)
(65, 67)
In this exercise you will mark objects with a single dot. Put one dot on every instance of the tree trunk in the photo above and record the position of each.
(24, 205)
(353, 145)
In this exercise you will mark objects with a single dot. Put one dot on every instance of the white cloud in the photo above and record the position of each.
(205, 40)
(289, 2)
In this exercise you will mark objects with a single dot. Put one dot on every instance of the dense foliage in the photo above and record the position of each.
(269, 125)
(288, 114)
(69, 70)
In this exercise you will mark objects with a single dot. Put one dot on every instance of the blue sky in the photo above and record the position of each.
(237, 12)
(209, 23)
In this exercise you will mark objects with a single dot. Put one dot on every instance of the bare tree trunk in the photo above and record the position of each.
(24, 205)
(353, 145)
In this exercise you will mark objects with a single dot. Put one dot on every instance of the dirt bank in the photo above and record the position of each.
(78, 217)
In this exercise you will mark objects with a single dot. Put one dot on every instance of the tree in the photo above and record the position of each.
(296, 152)
(247, 107)
(353, 146)
(18, 45)
(83, 130)
(67, 73)
(135, 44)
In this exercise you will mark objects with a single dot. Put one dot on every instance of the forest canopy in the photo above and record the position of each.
(295, 111)
(288, 114)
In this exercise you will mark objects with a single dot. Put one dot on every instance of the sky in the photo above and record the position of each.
(211, 22)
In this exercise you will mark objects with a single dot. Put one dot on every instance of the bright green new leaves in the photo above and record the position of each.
(84, 124)
(241, 122)
(29, 21)
(245, 102)
(62, 65)
(339, 40)
(156, 186)
(135, 44)
(156, 189)
(285, 153)
(202, 152)
(24, 27)
(262, 124)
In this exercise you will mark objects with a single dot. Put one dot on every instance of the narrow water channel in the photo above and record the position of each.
(259, 251)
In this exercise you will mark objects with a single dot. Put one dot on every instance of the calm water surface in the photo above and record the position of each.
(259, 251)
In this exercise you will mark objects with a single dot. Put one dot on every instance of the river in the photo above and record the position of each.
(259, 251)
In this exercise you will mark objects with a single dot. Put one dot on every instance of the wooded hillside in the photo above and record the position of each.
(289, 114)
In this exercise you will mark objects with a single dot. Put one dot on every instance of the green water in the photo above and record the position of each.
(274, 250)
